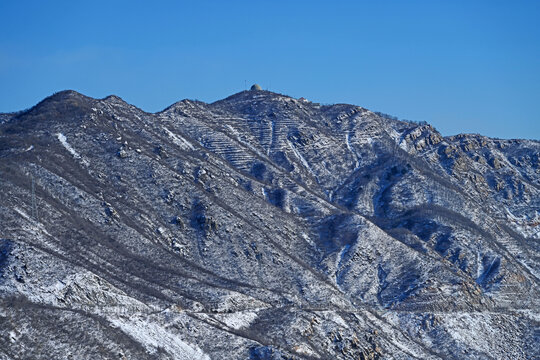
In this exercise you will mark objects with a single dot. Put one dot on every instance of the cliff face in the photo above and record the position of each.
(262, 227)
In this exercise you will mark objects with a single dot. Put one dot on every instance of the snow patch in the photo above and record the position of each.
(13, 336)
(71, 150)
(239, 320)
(307, 239)
(348, 141)
(301, 158)
(178, 140)
(36, 228)
(304, 349)
(233, 130)
(63, 140)
(153, 336)
(334, 317)
(22, 213)
(466, 328)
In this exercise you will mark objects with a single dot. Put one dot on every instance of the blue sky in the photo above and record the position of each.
(463, 66)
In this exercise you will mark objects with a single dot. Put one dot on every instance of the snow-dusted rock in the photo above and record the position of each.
(262, 227)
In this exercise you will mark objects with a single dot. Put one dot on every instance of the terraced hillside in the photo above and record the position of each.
(262, 227)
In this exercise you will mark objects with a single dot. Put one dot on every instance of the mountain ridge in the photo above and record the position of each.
(76, 93)
(261, 226)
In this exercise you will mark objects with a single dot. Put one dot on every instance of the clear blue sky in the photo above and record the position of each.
(463, 66)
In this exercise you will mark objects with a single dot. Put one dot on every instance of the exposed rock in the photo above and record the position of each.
(495, 163)
(122, 153)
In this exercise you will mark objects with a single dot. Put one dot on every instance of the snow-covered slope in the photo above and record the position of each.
(262, 227)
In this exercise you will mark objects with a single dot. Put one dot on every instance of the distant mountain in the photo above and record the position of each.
(262, 227)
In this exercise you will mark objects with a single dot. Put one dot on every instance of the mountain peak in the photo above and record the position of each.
(114, 99)
(62, 97)
(182, 232)
(66, 103)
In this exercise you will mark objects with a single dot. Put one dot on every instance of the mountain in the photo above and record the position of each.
(262, 227)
